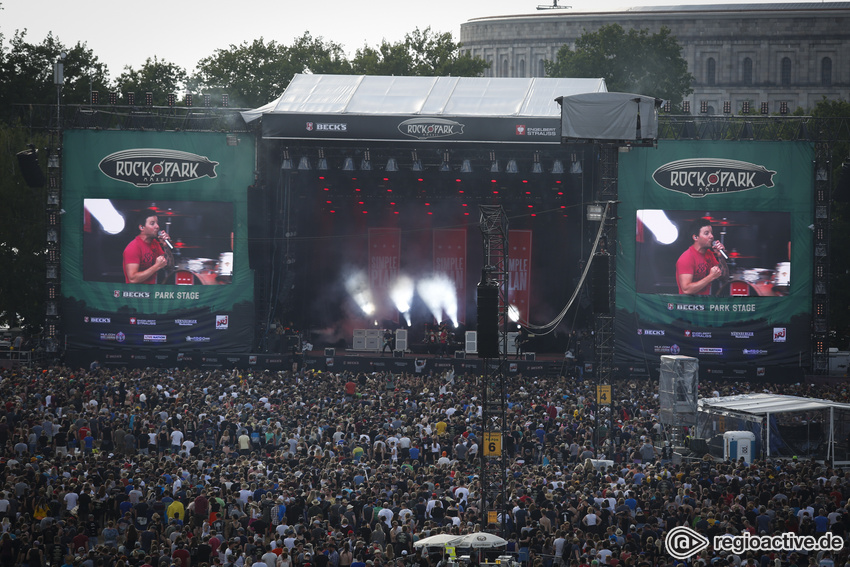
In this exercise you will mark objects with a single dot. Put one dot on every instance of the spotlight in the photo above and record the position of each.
(189, 99)
(494, 165)
(131, 99)
(113, 98)
(466, 167)
(287, 161)
(536, 167)
(417, 163)
(304, 163)
(765, 108)
(95, 97)
(225, 100)
(366, 162)
(348, 164)
(445, 166)
(557, 166)
(207, 100)
(686, 106)
(783, 107)
(322, 164)
(392, 165)
(511, 167)
(727, 107)
(149, 98)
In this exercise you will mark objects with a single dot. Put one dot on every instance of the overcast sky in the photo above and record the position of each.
(127, 33)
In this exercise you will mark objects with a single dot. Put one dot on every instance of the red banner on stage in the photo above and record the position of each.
(384, 259)
(450, 260)
(519, 271)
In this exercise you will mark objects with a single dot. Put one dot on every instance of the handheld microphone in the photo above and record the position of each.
(163, 236)
(722, 252)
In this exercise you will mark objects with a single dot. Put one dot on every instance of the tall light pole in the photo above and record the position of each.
(59, 80)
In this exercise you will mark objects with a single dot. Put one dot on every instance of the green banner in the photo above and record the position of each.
(715, 253)
(131, 197)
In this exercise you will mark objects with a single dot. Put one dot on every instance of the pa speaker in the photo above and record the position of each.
(30, 170)
(488, 321)
(600, 284)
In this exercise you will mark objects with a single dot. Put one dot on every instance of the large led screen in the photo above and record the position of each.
(154, 242)
(715, 258)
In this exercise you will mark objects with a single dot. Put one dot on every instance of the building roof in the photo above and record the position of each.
(426, 96)
(766, 7)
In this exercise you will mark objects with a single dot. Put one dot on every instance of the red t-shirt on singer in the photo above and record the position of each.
(144, 254)
(692, 262)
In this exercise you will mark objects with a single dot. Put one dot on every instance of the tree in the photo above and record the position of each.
(630, 62)
(258, 72)
(26, 73)
(156, 76)
(22, 235)
(421, 53)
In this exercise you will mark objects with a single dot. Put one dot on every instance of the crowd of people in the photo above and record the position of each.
(308, 468)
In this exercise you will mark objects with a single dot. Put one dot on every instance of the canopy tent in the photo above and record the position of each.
(479, 540)
(784, 426)
(438, 540)
(442, 109)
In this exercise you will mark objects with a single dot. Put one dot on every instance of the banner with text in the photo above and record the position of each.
(749, 305)
(519, 272)
(450, 261)
(384, 260)
(154, 240)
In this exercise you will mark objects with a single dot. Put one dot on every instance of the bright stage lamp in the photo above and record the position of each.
(109, 218)
(662, 228)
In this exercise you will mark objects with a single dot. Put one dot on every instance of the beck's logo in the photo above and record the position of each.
(143, 167)
(700, 177)
(427, 128)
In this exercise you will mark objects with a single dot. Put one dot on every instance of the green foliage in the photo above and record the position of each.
(422, 53)
(633, 61)
(22, 234)
(26, 72)
(255, 73)
(156, 76)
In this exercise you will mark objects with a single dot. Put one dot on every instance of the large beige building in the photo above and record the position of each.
(738, 53)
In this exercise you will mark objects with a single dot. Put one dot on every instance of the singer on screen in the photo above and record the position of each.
(703, 262)
(148, 253)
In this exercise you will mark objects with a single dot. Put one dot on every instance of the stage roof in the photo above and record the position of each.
(444, 109)
(763, 404)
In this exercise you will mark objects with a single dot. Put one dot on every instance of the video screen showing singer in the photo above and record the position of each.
(703, 263)
(144, 256)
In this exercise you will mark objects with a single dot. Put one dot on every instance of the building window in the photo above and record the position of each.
(541, 68)
(826, 72)
(504, 68)
(785, 72)
(747, 71)
(710, 72)
(521, 68)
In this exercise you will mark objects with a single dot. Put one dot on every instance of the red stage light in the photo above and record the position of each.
(386, 178)
(328, 202)
(560, 192)
(395, 212)
(558, 181)
(321, 177)
(333, 211)
(492, 181)
(495, 192)
(420, 180)
(360, 203)
(427, 204)
(530, 206)
(457, 180)
(464, 205)
(365, 212)
(389, 190)
(460, 190)
(534, 214)
(466, 214)
(327, 188)
(525, 180)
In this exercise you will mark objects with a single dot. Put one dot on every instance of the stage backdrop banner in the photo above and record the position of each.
(519, 271)
(196, 183)
(450, 260)
(758, 199)
(384, 259)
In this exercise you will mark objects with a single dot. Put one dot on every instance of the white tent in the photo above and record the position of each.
(821, 427)
(431, 96)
